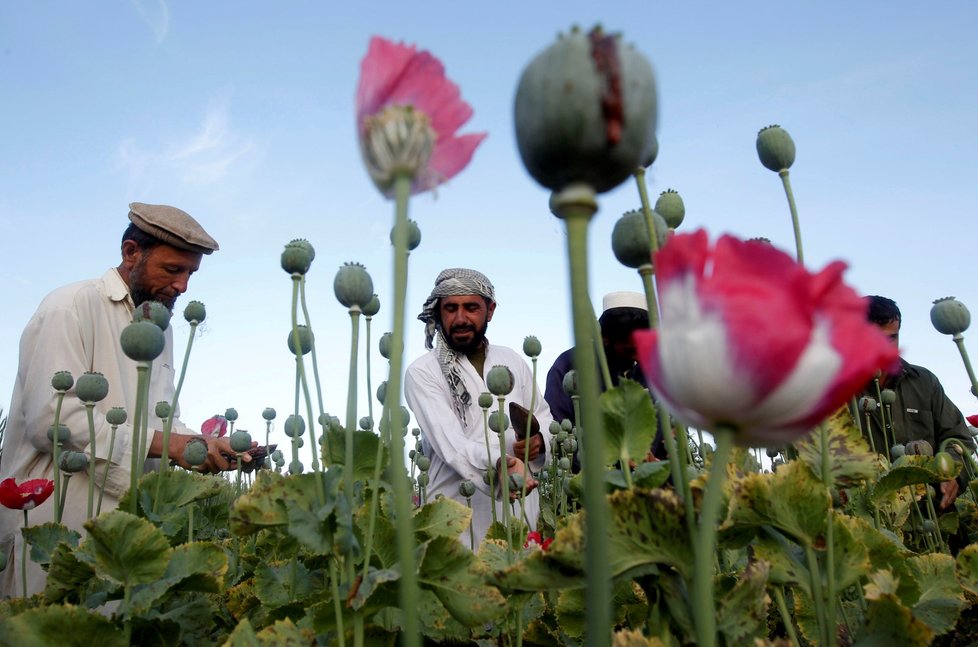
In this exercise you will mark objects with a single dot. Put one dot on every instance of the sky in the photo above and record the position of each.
(242, 114)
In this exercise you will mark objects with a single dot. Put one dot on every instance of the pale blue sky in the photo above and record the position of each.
(241, 113)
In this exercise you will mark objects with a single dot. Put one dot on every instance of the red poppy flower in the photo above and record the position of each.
(750, 339)
(215, 426)
(973, 420)
(546, 543)
(408, 113)
(533, 537)
(27, 495)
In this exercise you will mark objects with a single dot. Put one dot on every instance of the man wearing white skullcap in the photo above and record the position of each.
(442, 388)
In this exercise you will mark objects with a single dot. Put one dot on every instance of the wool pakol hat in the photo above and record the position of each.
(172, 226)
(624, 300)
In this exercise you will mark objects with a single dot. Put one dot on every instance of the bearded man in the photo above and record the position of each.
(443, 386)
(76, 329)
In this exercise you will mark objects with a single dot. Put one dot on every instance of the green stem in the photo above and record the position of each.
(639, 174)
(704, 607)
(23, 557)
(785, 616)
(190, 522)
(408, 584)
(526, 448)
(142, 386)
(503, 471)
(105, 472)
(468, 503)
(959, 341)
(815, 576)
(829, 532)
(313, 445)
(783, 173)
(351, 398)
(57, 456)
(168, 423)
(932, 514)
(492, 480)
(90, 413)
(337, 602)
(576, 205)
(599, 352)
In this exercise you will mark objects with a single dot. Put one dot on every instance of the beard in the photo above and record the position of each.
(141, 292)
(472, 344)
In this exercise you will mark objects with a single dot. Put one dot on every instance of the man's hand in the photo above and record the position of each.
(949, 490)
(514, 464)
(216, 450)
(536, 447)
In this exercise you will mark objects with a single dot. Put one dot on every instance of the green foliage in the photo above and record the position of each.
(629, 422)
(850, 459)
(65, 625)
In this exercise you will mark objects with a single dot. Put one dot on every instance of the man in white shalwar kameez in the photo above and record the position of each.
(442, 389)
(76, 329)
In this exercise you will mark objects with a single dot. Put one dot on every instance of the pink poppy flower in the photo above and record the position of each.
(215, 426)
(749, 339)
(408, 113)
(26, 496)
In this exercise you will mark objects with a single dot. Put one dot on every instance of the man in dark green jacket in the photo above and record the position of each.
(920, 409)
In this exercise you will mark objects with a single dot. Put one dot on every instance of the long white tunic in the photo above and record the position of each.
(458, 452)
(76, 328)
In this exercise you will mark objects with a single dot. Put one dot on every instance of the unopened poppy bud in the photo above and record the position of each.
(413, 237)
(569, 445)
(561, 436)
(73, 462)
(306, 339)
(412, 453)
(372, 307)
(142, 341)
(294, 426)
(564, 463)
(950, 316)
(194, 312)
(888, 396)
(268, 414)
(416, 432)
(116, 416)
(153, 311)
(485, 400)
(532, 346)
(499, 380)
(162, 410)
(498, 421)
(298, 256)
(62, 381)
(670, 206)
(240, 441)
(867, 404)
(384, 345)
(64, 434)
(570, 383)
(775, 148)
(195, 452)
(353, 286)
(466, 489)
(92, 387)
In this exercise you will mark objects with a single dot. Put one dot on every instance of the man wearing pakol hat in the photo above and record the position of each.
(76, 329)
(442, 388)
(622, 314)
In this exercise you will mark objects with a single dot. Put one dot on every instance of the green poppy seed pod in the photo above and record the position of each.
(544, 476)
(630, 238)
(532, 346)
(297, 256)
(653, 153)
(423, 463)
(919, 448)
(62, 381)
(366, 423)
(564, 463)
(423, 479)
(945, 466)
(163, 410)
(868, 404)
(897, 451)
(585, 112)
(195, 312)
(773, 452)
(489, 475)
(142, 341)
(570, 383)
(516, 482)
(372, 307)
(419, 446)
(116, 416)
(153, 311)
(294, 426)
(400, 416)
(240, 441)
(928, 525)
(384, 344)
(268, 414)
(554, 427)
(195, 451)
(92, 387)
(950, 316)
(466, 489)
(323, 420)
(485, 400)
(775, 148)
(73, 462)
(570, 445)
(352, 286)
(413, 237)
(499, 380)
(498, 422)
(382, 391)
(888, 396)
(295, 467)
(278, 456)
(412, 453)
(561, 436)
(416, 432)
(64, 434)
(670, 206)
(567, 425)
(306, 339)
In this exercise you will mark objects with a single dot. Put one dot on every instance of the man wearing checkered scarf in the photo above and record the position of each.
(442, 389)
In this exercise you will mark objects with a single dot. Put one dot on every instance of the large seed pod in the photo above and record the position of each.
(585, 111)
(950, 316)
(630, 238)
(92, 387)
(142, 341)
(297, 256)
(671, 207)
(775, 148)
(353, 285)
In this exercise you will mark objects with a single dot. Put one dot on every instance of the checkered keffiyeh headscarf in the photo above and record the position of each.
(452, 282)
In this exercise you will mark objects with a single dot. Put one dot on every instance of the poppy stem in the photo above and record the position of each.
(315, 377)
(23, 557)
(796, 225)
(57, 457)
(959, 340)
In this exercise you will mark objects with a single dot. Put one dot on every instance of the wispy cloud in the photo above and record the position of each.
(156, 15)
(202, 157)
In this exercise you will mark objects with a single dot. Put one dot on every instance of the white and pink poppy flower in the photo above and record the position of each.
(215, 426)
(749, 339)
